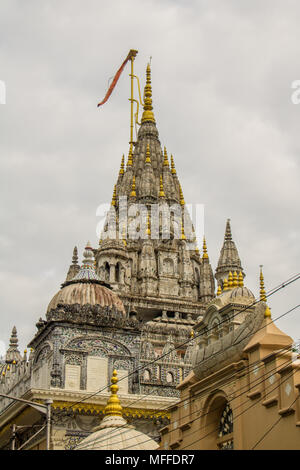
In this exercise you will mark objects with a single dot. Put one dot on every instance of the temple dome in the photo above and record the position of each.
(86, 288)
(115, 434)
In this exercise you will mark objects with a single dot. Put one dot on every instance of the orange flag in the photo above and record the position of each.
(132, 53)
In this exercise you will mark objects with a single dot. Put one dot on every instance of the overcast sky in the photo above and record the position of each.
(222, 73)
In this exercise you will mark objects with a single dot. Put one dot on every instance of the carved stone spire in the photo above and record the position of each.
(207, 282)
(13, 353)
(229, 260)
(74, 267)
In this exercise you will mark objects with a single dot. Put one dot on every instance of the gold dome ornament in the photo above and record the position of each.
(173, 169)
(219, 291)
(241, 279)
(166, 161)
(113, 407)
(262, 286)
(148, 159)
(161, 189)
(133, 193)
(225, 285)
(205, 255)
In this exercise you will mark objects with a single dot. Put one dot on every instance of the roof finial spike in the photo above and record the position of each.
(181, 196)
(241, 279)
(148, 115)
(121, 172)
(129, 161)
(148, 159)
(225, 285)
(183, 237)
(113, 407)
(75, 256)
(166, 161)
(173, 169)
(161, 188)
(262, 286)
(219, 291)
(114, 196)
(133, 193)
(205, 255)
(148, 229)
(235, 279)
(228, 235)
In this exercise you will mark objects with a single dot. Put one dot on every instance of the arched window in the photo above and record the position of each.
(118, 272)
(147, 375)
(107, 272)
(226, 428)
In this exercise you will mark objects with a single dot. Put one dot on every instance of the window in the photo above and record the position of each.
(226, 429)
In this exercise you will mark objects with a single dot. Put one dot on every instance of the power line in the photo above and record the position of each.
(283, 350)
(274, 424)
(116, 431)
(270, 292)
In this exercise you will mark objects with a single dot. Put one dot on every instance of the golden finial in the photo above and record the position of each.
(113, 407)
(225, 285)
(183, 237)
(148, 230)
(235, 279)
(8, 368)
(114, 197)
(219, 291)
(166, 161)
(181, 196)
(241, 279)
(192, 334)
(121, 172)
(133, 193)
(14, 362)
(262, 286)
(197, 251)
(148, 113)
(205, 255)
(129, 161)
(267, 312)
(230, 278)
(148, 159)
(173, 170)
(161, 189)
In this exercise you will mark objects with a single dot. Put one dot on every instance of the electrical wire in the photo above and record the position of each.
(269, 293)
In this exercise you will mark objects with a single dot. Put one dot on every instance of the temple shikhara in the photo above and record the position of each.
(193, 355)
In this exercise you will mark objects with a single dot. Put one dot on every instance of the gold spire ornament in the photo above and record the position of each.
(148, 159)
(181, 196)
(148, 115)
(183, 237)
(161, 188)
(235, 279)
(262, 286)
(241, 279)
(225, 285)
(205, 255)
(133, 193)
(166, 161)
(148, 229)
(121, 172)
(129, 161)
(113, 407)
(173, 169)
(219, 291)
(114, 197)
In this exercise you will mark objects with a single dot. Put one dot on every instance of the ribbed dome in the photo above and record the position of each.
(86, 288)
(116, 434)
(83, 293)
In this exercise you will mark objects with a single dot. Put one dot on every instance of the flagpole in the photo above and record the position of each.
(133, 54)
